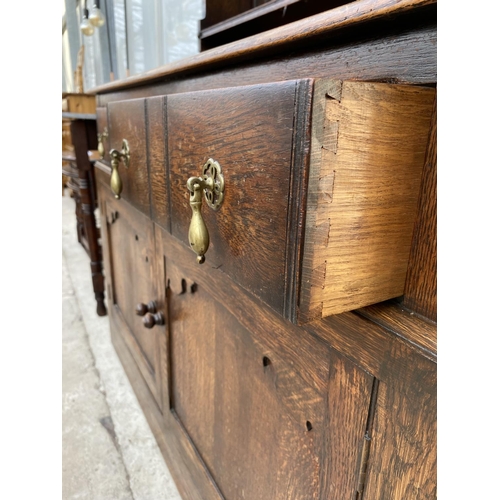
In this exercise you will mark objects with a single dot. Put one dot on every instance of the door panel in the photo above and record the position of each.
(260, 427)
(129, 244)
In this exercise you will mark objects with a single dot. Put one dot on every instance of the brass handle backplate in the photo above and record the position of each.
(100, 138)
(211, 183)
(116, 157)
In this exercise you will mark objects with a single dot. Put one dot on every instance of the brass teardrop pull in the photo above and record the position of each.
(100, 141)
(211, 184)
(117, 156)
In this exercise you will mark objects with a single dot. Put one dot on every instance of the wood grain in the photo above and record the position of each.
(127, 120)
(348, 402)
(406, 54)
(233, 390)
(306, 31)
(309, 357)
(379, 351)
(403, 448)
(129, 241)
(421, 279)
(416, 331)
(191, 477)
(158, 160)
(367, 153)
(297, 201)
(249, 131)
(238, 380)
(79, 103)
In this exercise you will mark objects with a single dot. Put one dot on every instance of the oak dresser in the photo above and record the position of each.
(269, 231)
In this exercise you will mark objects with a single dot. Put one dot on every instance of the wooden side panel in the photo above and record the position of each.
(368, 150)
(421, 280)
(403, 460)
(127, 120)
(157, 137)
(249, 131)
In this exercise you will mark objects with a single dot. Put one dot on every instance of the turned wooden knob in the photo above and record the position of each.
(141, 309)
(151, 320)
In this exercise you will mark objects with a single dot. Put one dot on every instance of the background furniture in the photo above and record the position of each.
(78, 166)
(299, 361)
(226, 21)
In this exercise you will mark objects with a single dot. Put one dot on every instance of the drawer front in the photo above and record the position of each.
(250, 132)
(127, 120)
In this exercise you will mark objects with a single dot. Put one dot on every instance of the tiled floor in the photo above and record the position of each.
(109, 452)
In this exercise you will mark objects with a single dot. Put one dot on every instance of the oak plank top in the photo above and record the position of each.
(314, 27)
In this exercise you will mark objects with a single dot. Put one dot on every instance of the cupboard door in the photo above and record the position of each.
(262, 425)
(128, 241)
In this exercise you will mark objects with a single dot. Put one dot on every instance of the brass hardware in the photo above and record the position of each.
(211, 183)
(116, 157)
(100, 138)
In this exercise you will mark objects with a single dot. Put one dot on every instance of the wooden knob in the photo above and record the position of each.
(151, 320)
(141, 309)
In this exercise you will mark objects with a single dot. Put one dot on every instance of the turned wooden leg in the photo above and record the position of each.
(80, 132)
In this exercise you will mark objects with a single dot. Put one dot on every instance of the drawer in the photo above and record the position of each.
(250, 132)
(127, 120)
(321, 183)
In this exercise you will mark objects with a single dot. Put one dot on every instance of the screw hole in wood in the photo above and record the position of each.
(147, 260)
(266, 361)
(309, 426)
(136, 238)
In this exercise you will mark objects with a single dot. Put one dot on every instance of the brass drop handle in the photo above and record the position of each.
(211, 183)
(151, 320)
(100, 137)
(116, 157)
(141, 309)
